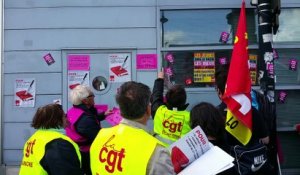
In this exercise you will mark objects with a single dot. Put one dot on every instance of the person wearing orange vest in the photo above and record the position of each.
(129, 148)
(171, 119)
(49, 150)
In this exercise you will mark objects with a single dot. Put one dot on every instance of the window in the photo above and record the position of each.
(201, 30)
(203, 27)
(196, 68)
(189, 35)
(284, 75)
(289, 26)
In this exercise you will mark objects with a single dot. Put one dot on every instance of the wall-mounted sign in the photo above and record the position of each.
(49, 59)
(223, 60)
(119, 67)
(78, 77)
(224, 37)
(146, 61)
(169, 57)
(24, 92)
(293, 64)
(79, 62)
(204, 67)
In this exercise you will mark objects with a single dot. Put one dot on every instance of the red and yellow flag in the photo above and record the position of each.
(238, 86)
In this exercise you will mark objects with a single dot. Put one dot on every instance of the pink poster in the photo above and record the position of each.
(146, 61)
(78, 62)
(115, 117)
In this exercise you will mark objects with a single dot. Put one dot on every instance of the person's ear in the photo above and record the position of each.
(148, 111)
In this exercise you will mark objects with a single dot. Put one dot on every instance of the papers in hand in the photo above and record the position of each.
(196, 155)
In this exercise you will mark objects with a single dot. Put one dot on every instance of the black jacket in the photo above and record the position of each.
(60, 158)
(259, 128)
(88, 125)
(157, 98)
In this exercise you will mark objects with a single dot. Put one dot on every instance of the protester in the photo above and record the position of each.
(48, 150)
(84, 122)
(212, 123)
(259, 128)
(129, 148)
(171, 119)
(251, 158)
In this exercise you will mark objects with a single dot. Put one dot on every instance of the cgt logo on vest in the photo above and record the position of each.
(173, 125)
(29, 148)
(112, 157)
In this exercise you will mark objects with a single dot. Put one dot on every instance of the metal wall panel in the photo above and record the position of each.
(80, 17)
(22, 131)
(12, 157)
(72, 3)
(55, 39)
(18, 114)
(31, 61)
(46, 83)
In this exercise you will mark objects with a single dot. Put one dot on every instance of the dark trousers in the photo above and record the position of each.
(86, 166)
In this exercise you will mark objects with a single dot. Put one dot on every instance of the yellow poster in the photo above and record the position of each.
(204, 67)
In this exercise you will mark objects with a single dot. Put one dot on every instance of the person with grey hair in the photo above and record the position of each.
(84, 121)
(129, 147)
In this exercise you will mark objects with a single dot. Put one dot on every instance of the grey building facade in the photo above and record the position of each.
(100, 28)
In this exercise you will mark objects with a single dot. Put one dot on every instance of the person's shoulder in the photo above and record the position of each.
(59, 143)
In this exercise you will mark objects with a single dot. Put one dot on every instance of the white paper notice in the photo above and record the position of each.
(25, 92)
(78, 77)
(214, 161)
(192, 145)
(197, 155)
(119, 67)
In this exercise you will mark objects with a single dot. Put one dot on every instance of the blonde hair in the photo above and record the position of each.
(79, 93)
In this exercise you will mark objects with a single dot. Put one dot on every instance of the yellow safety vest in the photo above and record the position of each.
(122, 150)
(34, 150)
(171, 124)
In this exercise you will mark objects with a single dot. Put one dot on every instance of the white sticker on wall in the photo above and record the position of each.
(267, 37)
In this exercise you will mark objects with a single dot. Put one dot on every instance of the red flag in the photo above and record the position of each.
(238, 86)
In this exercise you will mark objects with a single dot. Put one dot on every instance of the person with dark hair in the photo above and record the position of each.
(49, 150)
(209, 118)
(129, 148)
(171, 119)
(84, 122)
(259, 128)
(259, 140)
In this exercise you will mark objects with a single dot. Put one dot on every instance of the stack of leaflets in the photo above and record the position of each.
(194, 154)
